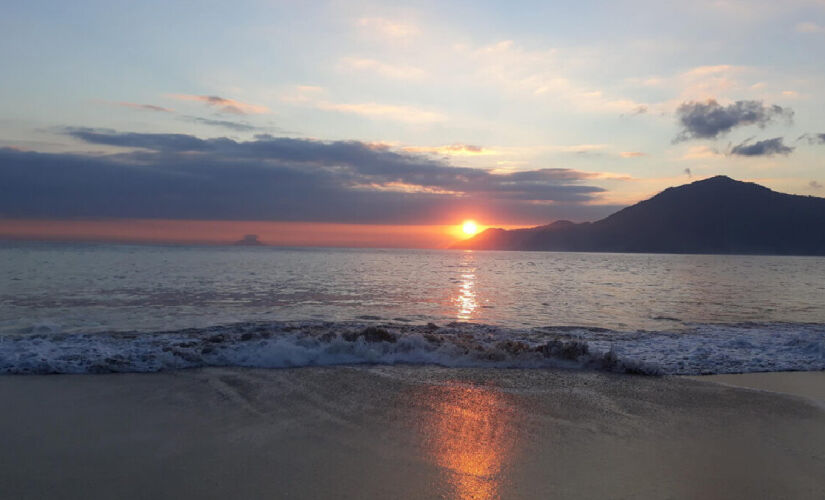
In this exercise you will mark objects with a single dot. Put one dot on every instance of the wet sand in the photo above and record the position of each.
(810, 385)
(403, 432)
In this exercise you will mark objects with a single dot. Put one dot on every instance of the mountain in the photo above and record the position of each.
(716, 215)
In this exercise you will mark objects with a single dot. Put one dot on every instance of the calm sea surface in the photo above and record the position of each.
(94, 288)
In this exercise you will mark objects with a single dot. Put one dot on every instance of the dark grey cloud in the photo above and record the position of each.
(212, 100)
(812, 138)
(227, 124)
(145, 107)
(709, 120)
(814, 185)
(277, 178)
(638, 110)
(157, 142)
(768, 147)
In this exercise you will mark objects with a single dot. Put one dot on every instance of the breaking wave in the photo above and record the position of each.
(701, 349)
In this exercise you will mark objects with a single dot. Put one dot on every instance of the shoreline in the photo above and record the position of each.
(403, 432)
(807, 385)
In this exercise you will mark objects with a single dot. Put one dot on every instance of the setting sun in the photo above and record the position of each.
(469, 227)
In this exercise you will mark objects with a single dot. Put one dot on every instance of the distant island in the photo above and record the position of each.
(718, 215)
(250, 240)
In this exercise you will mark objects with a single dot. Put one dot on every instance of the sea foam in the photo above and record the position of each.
(703, 348)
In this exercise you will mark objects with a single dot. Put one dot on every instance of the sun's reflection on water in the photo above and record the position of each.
(466, 300)
(470, 436)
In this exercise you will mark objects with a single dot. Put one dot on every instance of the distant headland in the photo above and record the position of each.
(718, 215)
(250, 240)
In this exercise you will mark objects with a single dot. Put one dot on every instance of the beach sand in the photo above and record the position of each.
(403, 432)
(809, 385)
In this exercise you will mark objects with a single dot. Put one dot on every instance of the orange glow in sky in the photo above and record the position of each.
(227, 232)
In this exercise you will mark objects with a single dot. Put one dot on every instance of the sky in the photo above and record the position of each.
(382, 124)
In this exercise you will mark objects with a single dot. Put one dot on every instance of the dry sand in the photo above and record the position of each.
(403, 432)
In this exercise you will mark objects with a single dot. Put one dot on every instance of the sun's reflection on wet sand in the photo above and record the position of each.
(470, 435)
(466, 300)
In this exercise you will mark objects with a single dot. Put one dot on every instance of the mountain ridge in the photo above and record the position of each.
(718, 215)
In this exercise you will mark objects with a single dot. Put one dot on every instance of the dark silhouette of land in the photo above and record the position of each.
(250, 240)
(716, 215)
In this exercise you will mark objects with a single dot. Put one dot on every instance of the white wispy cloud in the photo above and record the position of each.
(387, 27)
(318, 98)
(409, 114)
(387, 70)
(809, 27)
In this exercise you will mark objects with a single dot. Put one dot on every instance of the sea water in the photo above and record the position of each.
(95, 307)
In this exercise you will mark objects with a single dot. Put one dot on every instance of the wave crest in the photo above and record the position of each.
(701, 349)
(289, 344)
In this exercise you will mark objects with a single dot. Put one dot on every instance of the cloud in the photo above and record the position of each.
(708, 120)
(155, 142)
(224, 105)
(721, 82)
(145, 107)
(303, 95)
(539, 74)
(451, 150)
(576, 148)
(178, 176)
(313, 96)
(706, 71)
(703, 82)
(216, 101)
(808, 27)
(701, 153)
(768, 147)
(397, 72)
(812, 138)
(639, 110)
(408, 114)
(631, 154)
(236, 126)
(689, 173)
(814, 185)
(388, 28)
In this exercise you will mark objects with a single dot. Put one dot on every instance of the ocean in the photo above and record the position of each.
(91, 308)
